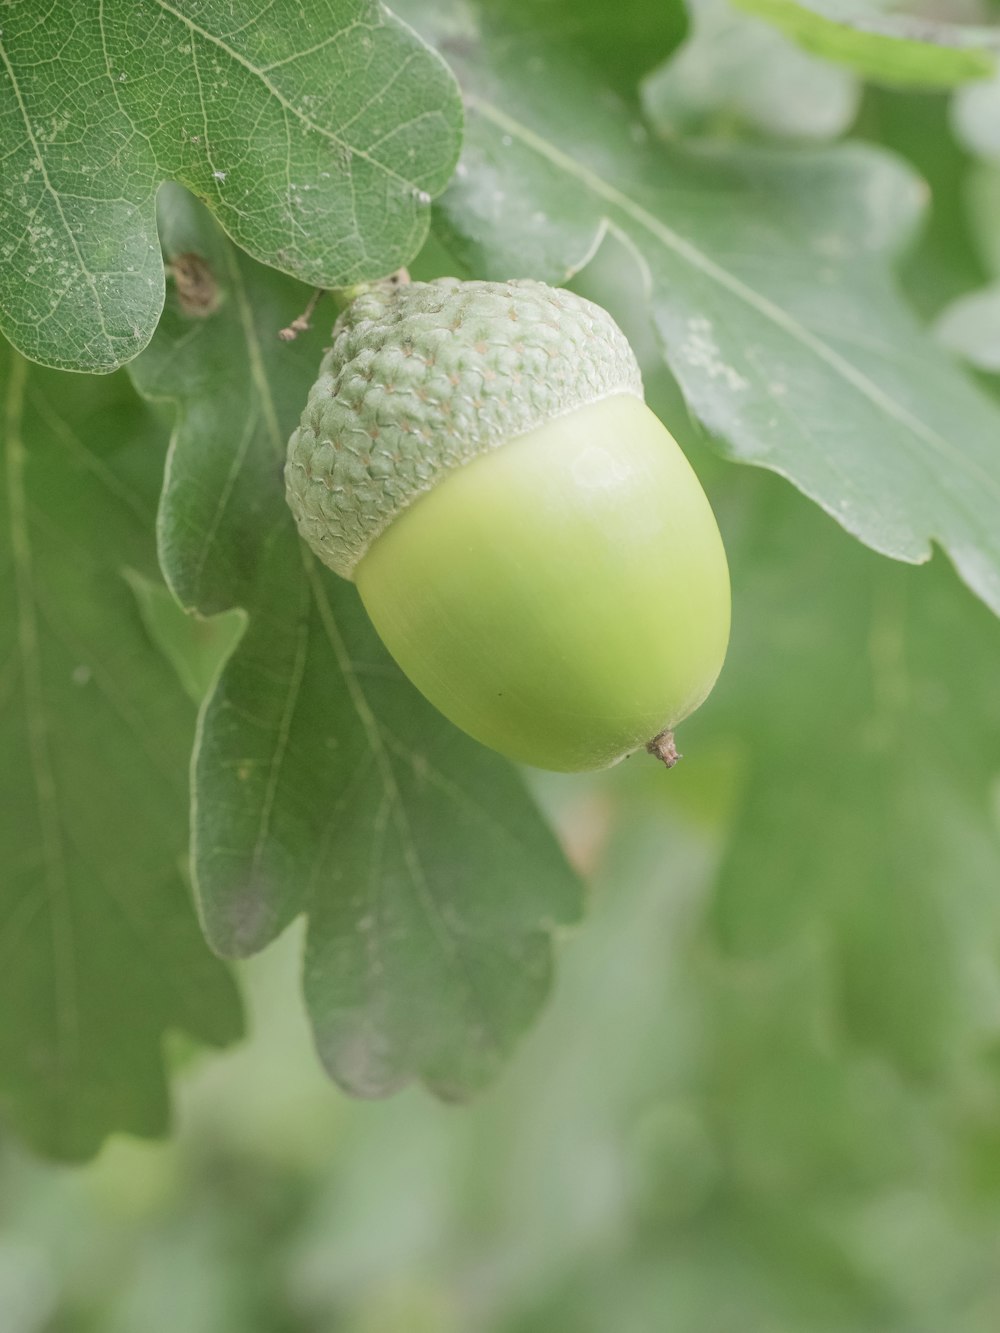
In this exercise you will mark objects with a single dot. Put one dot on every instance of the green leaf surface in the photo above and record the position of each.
(768, 281)
(99, 947)
(883, 44)
(323, 783)
(867, 692)
(317, 135)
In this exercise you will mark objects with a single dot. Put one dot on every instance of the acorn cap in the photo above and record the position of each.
(423, 377)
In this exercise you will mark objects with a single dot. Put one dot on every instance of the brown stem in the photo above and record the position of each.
(343, 296)
(664, 748)
(301, 323)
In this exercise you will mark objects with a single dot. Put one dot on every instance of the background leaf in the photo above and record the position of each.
(883, 44)
(850, 757)
(694, 1135)
(942, 261)
(861, 688)
(767, 276)
(766, 1093)
(976, 118)
(99, 945)
(625, 41)
(970, 326)
(317, 146)
(736, 75)
(323, 782)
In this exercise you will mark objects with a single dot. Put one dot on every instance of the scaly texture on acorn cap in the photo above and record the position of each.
(420, 379)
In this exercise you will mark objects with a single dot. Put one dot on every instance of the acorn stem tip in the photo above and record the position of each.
(664, 748)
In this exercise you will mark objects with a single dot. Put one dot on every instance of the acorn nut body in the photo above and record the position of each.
(530, 543)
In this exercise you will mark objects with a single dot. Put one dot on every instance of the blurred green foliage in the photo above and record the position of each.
(692, 1140)
(683, 1144)
(766, 1095)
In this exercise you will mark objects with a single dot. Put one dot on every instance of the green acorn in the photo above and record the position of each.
(528, 539)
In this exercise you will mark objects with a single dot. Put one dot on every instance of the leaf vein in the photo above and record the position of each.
(279, 96)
